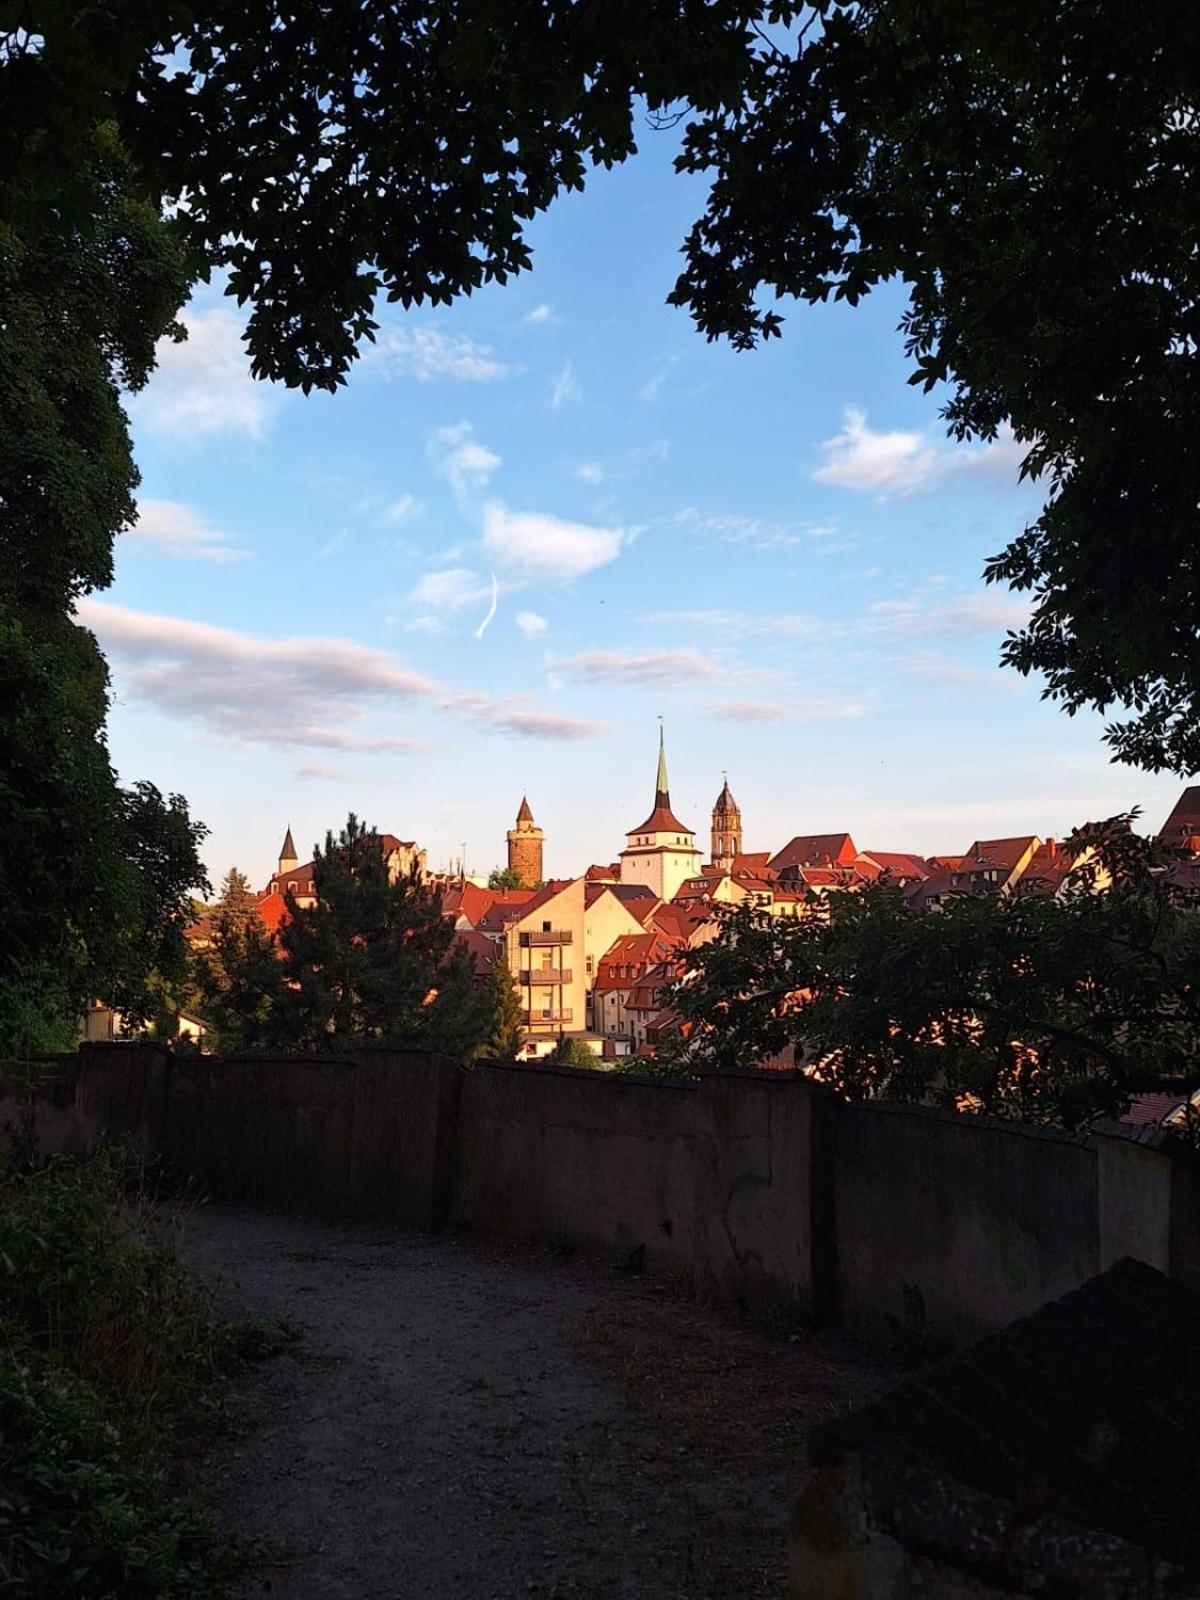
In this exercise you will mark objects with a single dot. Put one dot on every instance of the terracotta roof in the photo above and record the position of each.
(1047, 868)
(484, 951)
(273, 910)
(755, 861)
(1184, 822)
(469, 900)
(508, 905)
(661, 820)
(816, 850)
(899, 863)
(1148, 1110)
(596, 874)
(1002, 852)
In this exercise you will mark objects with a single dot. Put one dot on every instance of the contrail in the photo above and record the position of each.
(479, 631)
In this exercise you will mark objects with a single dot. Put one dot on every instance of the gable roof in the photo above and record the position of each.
(816, 850)
(1184, 822)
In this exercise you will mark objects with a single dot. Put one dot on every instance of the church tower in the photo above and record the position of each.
(525, 847)
(661, 853)
(726, 830)
(288, 859)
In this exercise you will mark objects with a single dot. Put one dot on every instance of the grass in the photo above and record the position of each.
(112, 1359)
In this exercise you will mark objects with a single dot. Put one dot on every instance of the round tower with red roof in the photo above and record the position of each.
(525, 847)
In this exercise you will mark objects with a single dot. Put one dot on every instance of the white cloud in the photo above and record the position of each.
(318, 772)
(786, 710)
(182, 533)
(307, 692)
(662, 369)
(904, 463)
(531, 545)
(427, 353)
(202, 387)
(450, 589)
(531, 624)
(466, 464)
(756, 534)
(860, 458)
(402, 510)
(590, 472)
(539, 315)
(653, 669)
(543, 725)
(566, 386)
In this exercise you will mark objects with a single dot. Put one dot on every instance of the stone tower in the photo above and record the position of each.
(726, 829)
(288, 859)
(525, 847)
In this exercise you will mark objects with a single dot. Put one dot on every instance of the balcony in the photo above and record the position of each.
(535, 1019)
(549, 936)
(550, 975)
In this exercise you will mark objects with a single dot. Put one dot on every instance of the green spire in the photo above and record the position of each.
(662, 789)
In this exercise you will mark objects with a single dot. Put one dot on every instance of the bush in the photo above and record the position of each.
(110, 1352)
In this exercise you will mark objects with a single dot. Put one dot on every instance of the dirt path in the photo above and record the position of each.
(466, 1420)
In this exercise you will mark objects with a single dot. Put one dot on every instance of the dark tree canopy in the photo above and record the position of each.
(375, 958)
(1044, 1008)
(1033, 183)
(1034, 186)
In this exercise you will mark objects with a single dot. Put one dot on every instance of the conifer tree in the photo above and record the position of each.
(504, 1041)
(239, 978)
(374, 959)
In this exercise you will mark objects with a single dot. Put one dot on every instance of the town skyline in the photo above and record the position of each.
(532, 523)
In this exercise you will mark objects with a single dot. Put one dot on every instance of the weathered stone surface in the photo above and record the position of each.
(1060, 1457)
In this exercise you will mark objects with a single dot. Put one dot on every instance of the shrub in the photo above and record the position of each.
(110, 1351)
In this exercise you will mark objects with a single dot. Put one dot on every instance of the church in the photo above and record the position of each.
(661, 852)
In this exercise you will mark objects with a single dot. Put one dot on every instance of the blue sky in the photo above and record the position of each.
(778, 552)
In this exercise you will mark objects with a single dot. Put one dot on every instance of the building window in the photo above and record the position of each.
(588, 964)
(545, 927)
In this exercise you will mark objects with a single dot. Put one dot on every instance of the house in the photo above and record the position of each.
(554, 944)
(1181, 830)
(620, 969)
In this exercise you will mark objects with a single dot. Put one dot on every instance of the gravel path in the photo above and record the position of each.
(479, 1421)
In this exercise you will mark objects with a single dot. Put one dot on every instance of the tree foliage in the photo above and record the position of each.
(239, 978)
(374, 958)
(505, 1039)
(505, 878)
(1033, 186)
(1030, 1006)
(1029, 185)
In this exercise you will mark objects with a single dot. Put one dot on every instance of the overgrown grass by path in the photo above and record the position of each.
(111, 1357)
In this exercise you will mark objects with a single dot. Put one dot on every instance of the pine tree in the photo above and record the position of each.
(239, 978)
(504, 1041)
(375, 959)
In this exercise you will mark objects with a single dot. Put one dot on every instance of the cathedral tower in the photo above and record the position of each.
(525, 847)
(726, 830)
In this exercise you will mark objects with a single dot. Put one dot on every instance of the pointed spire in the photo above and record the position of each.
(662, 789)
(524, 814)
(288, 853)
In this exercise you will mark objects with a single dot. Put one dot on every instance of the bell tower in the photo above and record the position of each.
(525, 847)
(726, 829)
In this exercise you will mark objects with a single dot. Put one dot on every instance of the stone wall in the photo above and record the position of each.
(757, 1185)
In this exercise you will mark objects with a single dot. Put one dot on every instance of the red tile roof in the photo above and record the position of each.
(1182, 827)
(816, 850)
(484, 951)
